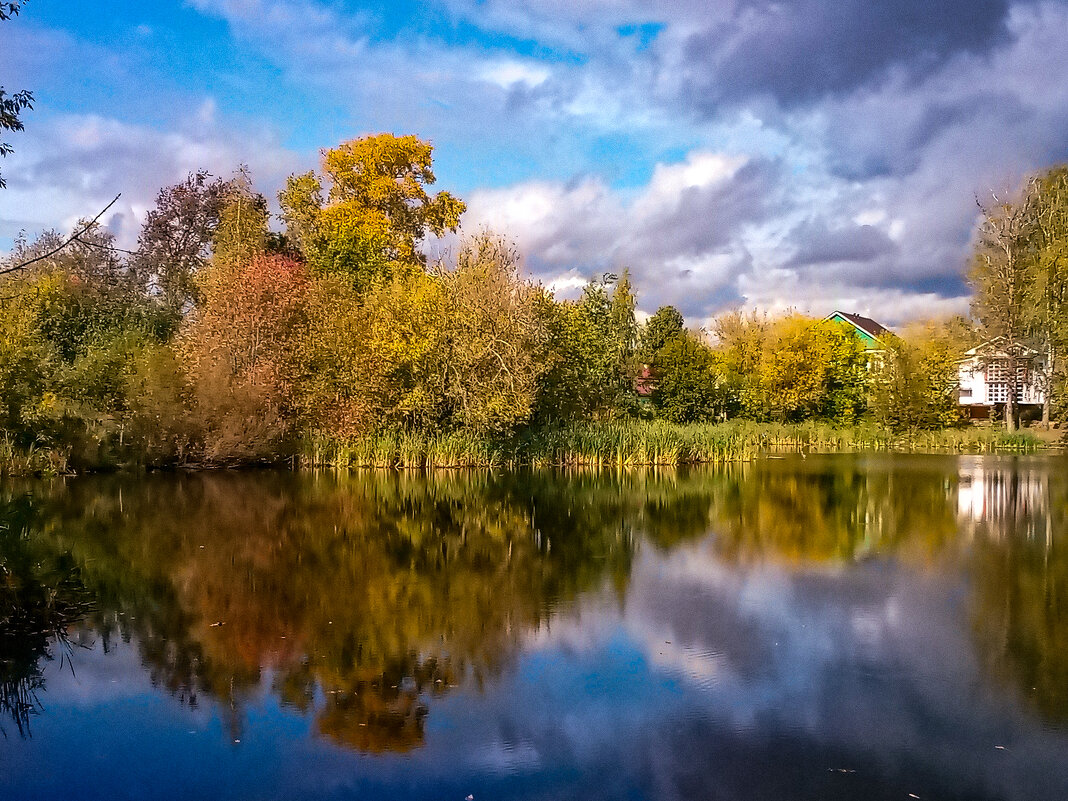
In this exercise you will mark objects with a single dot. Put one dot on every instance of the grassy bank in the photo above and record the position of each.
(610, 444)
(635, 443)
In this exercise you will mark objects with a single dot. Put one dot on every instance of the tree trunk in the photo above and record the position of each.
(1047, 395)
(1010, 397)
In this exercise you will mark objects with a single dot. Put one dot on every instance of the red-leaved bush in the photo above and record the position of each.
(241, 350)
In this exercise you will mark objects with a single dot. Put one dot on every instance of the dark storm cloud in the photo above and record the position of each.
(799, 51)
(880, 136)
(820, 244)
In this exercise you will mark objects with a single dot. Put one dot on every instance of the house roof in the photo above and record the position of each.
(865, 324)
(997, 347)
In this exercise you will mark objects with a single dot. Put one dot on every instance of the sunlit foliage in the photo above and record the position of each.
(219, 341)
(369, 211)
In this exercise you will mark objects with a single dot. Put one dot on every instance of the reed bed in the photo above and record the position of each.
(644, 443)
(17, 461)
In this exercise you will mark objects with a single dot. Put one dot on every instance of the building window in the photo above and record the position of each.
(1000, 380)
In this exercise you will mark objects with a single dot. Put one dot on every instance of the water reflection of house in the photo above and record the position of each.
(1003, 500)
(990, 372)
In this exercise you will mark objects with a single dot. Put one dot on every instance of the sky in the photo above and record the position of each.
(808, 154)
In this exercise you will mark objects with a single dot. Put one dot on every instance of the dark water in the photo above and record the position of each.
(830, 628)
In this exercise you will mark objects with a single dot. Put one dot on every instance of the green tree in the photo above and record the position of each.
(592, 354)
(666, 324)
(691, 386)
(74, 326)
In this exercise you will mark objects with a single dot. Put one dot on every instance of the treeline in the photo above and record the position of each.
(220, 341)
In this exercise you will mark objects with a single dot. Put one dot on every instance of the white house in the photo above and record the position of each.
(985, 375)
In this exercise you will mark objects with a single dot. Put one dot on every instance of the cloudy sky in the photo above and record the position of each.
(807, 153)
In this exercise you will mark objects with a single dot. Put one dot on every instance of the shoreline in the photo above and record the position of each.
(617, 445)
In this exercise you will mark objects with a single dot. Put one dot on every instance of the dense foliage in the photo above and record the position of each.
(219, 341)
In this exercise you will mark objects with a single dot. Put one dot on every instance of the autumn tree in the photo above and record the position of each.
(242, 231)
(343, 384)
(406, 336)
(813, 369)
(740, 340)
(240, 349)
(497, 338)
(914, 383)
(793, 368)
(1002, 279)
(1049, 284)
(176, 238)
(369, 211)
(456, 348)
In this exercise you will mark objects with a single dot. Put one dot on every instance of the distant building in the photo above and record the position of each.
(869, 331)
(986, 377)
(645, 383)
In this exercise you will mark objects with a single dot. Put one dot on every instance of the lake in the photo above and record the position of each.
(829, 627)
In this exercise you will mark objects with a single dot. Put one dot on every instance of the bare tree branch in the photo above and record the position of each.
(68, 241)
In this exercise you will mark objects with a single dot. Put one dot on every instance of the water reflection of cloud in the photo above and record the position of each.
(874, 662)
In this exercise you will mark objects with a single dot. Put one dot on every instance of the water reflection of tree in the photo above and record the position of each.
(799, 512)
(1003, 522)
(41, 596)
(363, 597)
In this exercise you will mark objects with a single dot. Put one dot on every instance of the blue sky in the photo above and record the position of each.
(810, 153)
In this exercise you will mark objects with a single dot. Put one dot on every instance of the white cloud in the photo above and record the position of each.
(680, 235)
(78, 162)
(507, 74)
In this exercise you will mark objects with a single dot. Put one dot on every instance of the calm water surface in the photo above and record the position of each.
(835, 627)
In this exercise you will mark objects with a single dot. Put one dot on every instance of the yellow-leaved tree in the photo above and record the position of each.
(368, 212)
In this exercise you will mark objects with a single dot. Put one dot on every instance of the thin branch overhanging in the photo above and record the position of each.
(67, 242)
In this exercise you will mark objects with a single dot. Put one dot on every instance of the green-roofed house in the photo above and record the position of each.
(869, 332)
